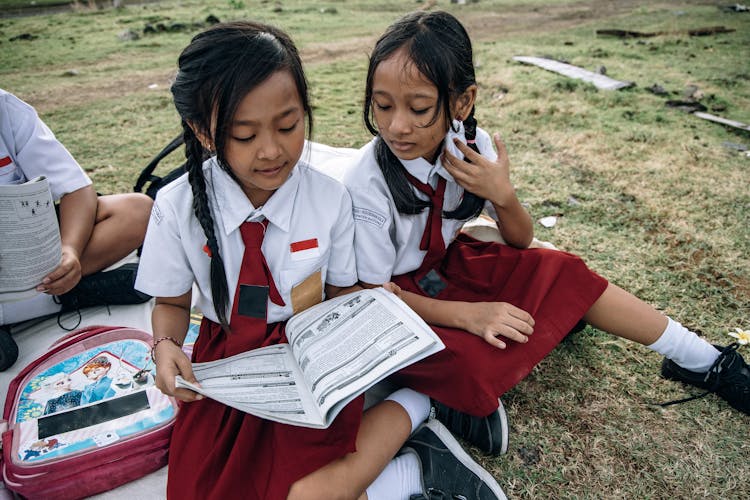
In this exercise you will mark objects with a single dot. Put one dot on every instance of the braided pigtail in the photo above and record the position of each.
(471, 205)
(406, 200)
(195, 154)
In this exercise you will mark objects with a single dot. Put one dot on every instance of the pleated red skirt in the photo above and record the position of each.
(556, 288)
(223, 453)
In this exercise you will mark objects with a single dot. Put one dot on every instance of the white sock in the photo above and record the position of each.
(35, 307)
(416, 404)
(685, 348)
(400, 479)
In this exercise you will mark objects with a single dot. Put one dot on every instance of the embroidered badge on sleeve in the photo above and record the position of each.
(369, 216)
(156, 213)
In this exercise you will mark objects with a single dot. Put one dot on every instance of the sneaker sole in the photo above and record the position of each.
(504, 419)
(450, 442)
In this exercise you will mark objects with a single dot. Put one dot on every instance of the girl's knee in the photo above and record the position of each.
(139, 206)
(131, 211)
(139, 212)
(142, 205)
(123, 217)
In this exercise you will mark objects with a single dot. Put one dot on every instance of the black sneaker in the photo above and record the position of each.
(729, 377)
(104, 288)
(489, 434)
(447, 470)
(8, 349)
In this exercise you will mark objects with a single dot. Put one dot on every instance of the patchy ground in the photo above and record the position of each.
(481, 24)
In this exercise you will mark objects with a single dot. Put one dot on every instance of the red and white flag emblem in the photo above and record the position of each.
(305, 249)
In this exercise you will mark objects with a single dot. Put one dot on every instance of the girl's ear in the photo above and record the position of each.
(204, 139)
(464, 102)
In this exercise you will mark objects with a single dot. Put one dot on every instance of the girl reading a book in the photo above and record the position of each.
(257, 234)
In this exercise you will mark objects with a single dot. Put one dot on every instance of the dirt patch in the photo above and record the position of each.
(74, 93)
(485, 25)
(481, 24)
(323, 53)
(53, 7)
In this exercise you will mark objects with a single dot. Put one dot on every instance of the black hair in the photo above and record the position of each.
(440, 49)
(216, 71)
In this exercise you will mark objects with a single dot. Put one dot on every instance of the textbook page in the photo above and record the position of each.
(359, 340)
(30, 245)
(338, 349)
(264, 382)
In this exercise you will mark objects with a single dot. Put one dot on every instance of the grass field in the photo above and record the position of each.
(653, 198)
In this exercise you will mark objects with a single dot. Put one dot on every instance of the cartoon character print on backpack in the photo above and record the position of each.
(99, 374)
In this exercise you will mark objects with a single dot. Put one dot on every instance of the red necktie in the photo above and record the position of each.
(432, 238)
(254, 286)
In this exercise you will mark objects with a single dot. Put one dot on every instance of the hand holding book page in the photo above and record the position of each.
(337, 349)
(30, 245)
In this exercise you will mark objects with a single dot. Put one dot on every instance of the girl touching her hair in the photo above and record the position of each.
(499, 309)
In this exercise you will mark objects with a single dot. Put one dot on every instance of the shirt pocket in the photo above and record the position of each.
(9, 173)
(302, 273)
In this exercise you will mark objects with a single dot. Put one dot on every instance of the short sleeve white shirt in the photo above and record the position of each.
(310, 229)
(28, 149)
(386, 241)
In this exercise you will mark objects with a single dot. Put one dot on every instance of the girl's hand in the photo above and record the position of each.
(65, 276)
(170, 362)
(486, 179)
(393, 288)
(491, 320)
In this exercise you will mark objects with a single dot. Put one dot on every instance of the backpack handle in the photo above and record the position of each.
(149, 169)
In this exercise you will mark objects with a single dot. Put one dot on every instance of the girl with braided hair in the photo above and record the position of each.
(498, 308)
(257, 234)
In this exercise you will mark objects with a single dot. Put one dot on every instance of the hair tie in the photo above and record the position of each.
(210, 243)
(471, 141)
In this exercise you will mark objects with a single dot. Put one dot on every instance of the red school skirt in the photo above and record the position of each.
(556, 288)
(219, 452)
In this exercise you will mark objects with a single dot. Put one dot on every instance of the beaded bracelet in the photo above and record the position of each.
(156, 343)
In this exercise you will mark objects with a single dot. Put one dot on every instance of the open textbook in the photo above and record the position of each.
(337, 349)
(30, 245)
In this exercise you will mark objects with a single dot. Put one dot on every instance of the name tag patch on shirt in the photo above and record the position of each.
(369, 216)
(305, 249)
(253, 301)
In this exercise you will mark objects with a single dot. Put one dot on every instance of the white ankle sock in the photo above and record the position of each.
(401, 478)
(416, 404)
(685, 348)
(35, 307)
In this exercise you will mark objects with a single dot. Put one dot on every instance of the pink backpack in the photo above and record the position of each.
(85, 417)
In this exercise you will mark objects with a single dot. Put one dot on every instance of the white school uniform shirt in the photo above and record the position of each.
(310, 228)
(28, 149)
(386, 241)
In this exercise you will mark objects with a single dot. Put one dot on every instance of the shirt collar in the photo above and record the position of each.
(235, 207)
(425, 171)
